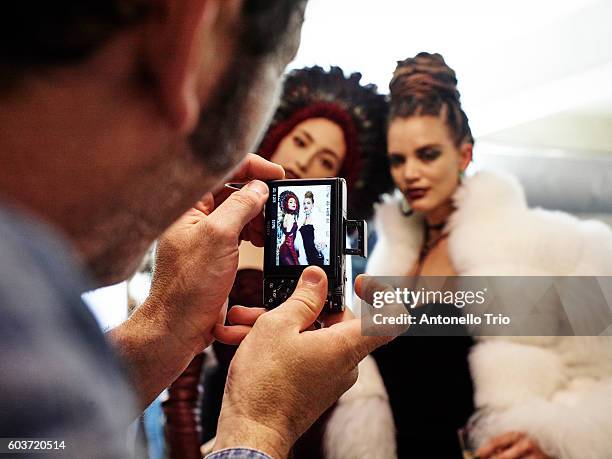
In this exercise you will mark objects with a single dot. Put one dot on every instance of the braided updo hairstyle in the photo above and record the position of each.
(425, 85)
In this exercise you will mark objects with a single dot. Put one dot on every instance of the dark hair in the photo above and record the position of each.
(309, 195)
(37, 35)
(425, 85)
(265, 23)
(357, 109)
(284, 202)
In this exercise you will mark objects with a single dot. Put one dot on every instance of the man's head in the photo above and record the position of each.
(117, 115)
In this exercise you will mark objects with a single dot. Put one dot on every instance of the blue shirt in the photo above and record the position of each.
(59, 378)
(238, 453)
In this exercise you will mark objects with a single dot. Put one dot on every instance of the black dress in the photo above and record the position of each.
(313, 256)
(430, 392)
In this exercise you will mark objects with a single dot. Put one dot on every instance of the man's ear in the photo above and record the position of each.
(188, 47)
(465, 155)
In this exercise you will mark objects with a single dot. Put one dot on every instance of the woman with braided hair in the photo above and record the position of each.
(429, 146)
(537, 397)
(327, 125)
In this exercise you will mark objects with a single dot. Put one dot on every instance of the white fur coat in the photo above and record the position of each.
(361, 425)
(558, 390)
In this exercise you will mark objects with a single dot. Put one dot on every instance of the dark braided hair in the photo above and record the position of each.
(425, 85)
(358, 109)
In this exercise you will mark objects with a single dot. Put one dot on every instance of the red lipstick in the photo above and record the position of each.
(415, 193)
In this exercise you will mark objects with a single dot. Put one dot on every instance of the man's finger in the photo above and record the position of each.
(240, 315)
(255, 236)
(241, 207)
(255, 167)
(373, 295)
(254, 231)
(363, 345)
(206, 204)
(329, 319)
(306, 302)
(230, 334)
(200, 210)
(367, 286)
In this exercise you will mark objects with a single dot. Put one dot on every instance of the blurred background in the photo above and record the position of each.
(535, 78)
(536, 82)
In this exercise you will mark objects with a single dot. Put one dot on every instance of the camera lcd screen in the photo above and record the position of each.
(302, 230)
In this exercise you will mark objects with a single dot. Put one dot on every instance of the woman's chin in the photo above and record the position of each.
(420, 207)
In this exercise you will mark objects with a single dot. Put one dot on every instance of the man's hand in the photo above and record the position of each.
(284, 376)
(197, 257)
(511, 445)
(195, 267)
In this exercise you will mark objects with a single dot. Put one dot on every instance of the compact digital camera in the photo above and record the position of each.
(306, 224)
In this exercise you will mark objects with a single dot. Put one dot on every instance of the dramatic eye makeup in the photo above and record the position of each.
(426, 153)
(395, 159)
(429, 153)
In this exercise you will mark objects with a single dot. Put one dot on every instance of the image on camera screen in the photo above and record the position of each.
(303, 229)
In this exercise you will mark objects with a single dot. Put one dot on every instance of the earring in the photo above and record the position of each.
(405, 208)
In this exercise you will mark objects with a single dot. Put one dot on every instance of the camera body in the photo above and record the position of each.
(306, 224)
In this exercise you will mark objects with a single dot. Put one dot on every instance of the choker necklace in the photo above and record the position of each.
(429, 244)
(436, 227)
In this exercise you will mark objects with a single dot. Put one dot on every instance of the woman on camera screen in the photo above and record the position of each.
(535, 396)
(313, 243)
(327, 125)
(290, 207)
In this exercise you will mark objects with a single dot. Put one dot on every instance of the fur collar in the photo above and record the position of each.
(556, 389)
(493, 232)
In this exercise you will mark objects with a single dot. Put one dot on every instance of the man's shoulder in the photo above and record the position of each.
(30, 246)
(59, 376)
(40, 291)
(40, 282)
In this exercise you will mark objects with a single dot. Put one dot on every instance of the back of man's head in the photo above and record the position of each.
(117, 115)
(37, 35)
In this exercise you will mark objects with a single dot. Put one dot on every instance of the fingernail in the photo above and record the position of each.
(258, 187)
(311, 277)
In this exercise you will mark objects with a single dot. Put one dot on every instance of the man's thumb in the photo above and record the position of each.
(242, 206)
(306, 302)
